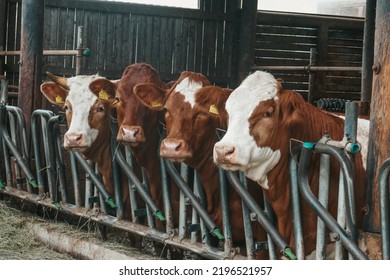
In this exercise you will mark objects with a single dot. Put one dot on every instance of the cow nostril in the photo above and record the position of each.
(229, 151)
(179, 146)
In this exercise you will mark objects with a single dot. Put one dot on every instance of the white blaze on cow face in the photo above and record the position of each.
(239, 148)
(80, 100)
(188, 88)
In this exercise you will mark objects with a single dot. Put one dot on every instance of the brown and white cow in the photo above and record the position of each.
(88, 118)
(194, 110)
(263, 118)
(139, 128)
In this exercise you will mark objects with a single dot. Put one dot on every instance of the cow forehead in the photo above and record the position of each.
(257, 87)
(188, 89)
(79, 93)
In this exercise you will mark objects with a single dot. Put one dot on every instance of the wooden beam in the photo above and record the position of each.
(246, 38)
(379, 136)
(31, 49)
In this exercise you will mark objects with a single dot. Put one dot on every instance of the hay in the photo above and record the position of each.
(17, 241)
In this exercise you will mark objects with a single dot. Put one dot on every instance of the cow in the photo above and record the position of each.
(140, 129)
(263, 119)
(89, 128)
(193, 112)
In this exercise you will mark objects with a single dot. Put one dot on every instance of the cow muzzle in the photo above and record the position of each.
(176, 150)
(74, 140)
(224, 154)
(131, 135)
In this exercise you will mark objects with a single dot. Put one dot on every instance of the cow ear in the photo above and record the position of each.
(151, 96)
(54, 93)
(104, 89)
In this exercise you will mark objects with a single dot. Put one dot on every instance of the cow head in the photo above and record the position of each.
(86, 114)
(135, 121)
(252, 110)
(188, 118)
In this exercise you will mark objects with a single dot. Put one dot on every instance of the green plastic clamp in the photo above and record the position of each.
(160, 216)
(33, 183)
(111, 202)
(2, 184)
(288, 253)
(218, 234)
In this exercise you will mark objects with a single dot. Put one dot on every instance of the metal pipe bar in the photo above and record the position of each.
(384, 208)
(309, 68)
(303, 180)
(169, 224)
(183, 202)
(323, 198)
(193, 200)
(227, 232)
(7, 139)
(84, 164)
(250, 246)
(55, 160)
(299, 242)
(261, 217)
(140, 189)
(45, 53)
(131, 186)
(44, 115)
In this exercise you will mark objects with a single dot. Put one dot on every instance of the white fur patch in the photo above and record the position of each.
(254, 161)
(188, 89)
(82, 99)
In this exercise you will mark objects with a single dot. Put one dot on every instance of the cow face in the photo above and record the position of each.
(86, 114)
(187, 120)
(252, 111)
(135, 122)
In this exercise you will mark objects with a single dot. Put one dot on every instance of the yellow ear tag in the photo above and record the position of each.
(103, 95)
(213, 109)
(59, 99)
(156, 104)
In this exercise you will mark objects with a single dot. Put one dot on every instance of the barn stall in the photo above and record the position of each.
(319, 56)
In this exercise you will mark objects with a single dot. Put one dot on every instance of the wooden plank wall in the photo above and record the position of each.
(118, 34)
(204, 40)
(286, 39)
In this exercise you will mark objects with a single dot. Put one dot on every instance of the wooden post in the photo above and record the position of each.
(247, 35)
(368, 57)
(379, 136)
(3, 30)
(31, 52)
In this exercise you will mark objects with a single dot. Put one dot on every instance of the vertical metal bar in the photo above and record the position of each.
(132, 191)
(299, 242)
(312, 75)
(183, 204)
(323, 198)
(384, 208)
(226, 225)
(145, 184)
(12, 131)
(250, 246)
(368, 56)
(3, 119)
(76, 183)
(271, 244)
(166, 198)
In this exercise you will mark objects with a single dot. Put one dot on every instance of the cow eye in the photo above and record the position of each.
(65, 108)
(100, 109)
(268, 113)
